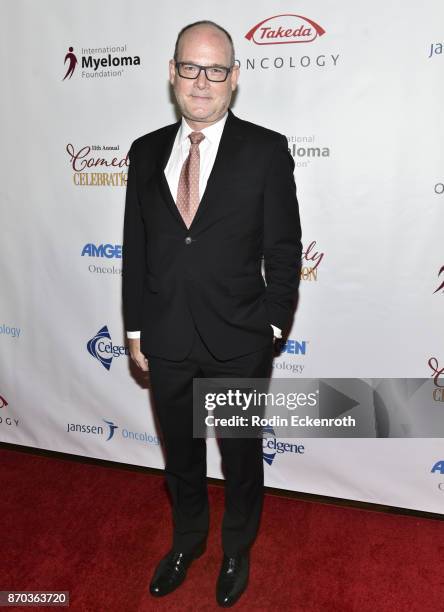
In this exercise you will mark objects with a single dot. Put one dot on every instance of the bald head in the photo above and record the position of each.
(214, 34)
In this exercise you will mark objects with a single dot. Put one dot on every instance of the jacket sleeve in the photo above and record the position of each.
(133, 253)
(282, 237)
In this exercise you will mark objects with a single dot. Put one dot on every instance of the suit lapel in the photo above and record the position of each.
(163, 157)
(220, 173)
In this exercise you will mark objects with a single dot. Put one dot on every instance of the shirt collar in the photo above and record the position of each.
(212, 133)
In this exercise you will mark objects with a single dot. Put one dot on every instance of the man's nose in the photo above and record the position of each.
(201, 80)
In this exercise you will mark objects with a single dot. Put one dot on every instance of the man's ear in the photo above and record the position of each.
(234, 77)
(172, 71)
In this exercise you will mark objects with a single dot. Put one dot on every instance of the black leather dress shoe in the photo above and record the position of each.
(233, 579)
(172, 571)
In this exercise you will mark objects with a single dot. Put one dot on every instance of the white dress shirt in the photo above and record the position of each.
(208, 150)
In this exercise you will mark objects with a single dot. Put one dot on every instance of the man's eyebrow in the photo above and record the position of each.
(207, 66)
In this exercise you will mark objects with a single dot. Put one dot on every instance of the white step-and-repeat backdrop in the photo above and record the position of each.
(358, 90)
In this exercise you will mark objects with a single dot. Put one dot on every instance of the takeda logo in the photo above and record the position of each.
(284, 29)
(280, 36)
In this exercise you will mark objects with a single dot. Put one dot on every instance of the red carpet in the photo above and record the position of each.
(98, 532)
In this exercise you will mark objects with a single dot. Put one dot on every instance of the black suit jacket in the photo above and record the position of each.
(211, 272)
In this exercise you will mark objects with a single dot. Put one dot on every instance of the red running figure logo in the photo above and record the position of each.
(72, 63)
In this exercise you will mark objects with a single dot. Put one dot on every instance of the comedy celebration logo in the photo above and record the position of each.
(311, 260)
(97, 165)
(438, 379)
(99, 62)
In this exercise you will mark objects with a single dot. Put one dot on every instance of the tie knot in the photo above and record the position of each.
(196, 137)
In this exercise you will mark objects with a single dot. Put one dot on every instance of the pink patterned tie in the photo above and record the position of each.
(188, 190)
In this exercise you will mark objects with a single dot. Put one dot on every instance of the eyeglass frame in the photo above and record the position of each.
(204, 68)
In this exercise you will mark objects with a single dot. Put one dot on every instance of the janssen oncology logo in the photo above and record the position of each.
(101, 348)
(98, 165)
(109, 429)
(3, 402)
(271, 446)
(435, 49)
(284, 29)
(106, 251)
(287, 29)
(98, 430)
(113, 58)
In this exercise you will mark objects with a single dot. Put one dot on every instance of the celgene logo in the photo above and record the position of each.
(102, 348)
(284, 29)
(271, 446)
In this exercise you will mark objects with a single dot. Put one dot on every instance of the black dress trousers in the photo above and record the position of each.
(185, 467)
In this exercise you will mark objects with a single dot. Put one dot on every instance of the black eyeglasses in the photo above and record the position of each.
(217, 74)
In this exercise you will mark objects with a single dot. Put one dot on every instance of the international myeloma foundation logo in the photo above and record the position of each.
(70, 56)
(100, 62)
(284, 29)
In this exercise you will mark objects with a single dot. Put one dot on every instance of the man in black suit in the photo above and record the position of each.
(207, 198)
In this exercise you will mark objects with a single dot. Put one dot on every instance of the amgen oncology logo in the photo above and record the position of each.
(101, 348)
(284, 29)
(102, 250)
(438, 468)
(9, 330)
(106, 251)
(295, 347)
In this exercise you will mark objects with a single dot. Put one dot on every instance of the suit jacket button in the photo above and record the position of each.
(188, 240)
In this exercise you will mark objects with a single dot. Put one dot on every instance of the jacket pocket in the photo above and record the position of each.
(247, 285)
